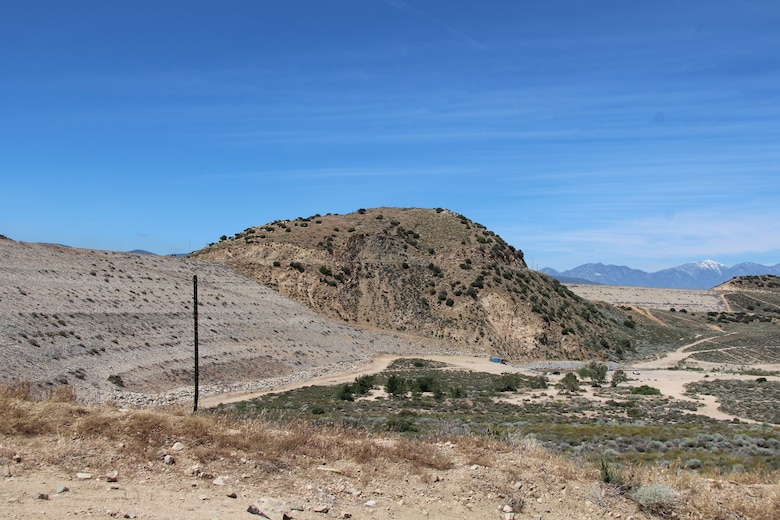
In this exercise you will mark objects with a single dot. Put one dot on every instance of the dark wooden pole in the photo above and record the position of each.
(195, 316)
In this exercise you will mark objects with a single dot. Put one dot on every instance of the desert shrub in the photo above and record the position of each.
(363, 384)
(645, 390)
(395, 385)
(538, 383)
(595, 371)
(508, 383)
(325, 271)
(21, 391)
(657, 499)
(610, 472)
(403, 421)
(692, 464)
(619, 376)
(117, 380)
(297, 266)
(426, 384)
(569, 383)
(346, 393)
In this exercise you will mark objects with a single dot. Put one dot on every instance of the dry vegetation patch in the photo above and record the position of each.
(302, 466)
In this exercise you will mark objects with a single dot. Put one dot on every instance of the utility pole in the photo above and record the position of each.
(195, 316)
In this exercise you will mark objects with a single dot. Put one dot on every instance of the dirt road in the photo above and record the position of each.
(654, 373)
(378, 364)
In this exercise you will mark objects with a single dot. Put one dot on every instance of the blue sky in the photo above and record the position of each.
(635, 133)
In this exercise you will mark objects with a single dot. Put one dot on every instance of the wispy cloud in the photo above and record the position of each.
(658, 241)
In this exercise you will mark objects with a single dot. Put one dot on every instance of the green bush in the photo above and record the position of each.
(619, 376)
(401, 423)
(363, 384)
(426, 384)
(395, 385)
(611, 472)
(645, 390)
(508, 383)
(569, 383)
(346, 393)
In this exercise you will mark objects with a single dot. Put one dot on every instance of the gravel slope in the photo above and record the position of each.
(78, 317)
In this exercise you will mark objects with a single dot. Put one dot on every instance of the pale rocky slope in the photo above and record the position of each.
(80, 316)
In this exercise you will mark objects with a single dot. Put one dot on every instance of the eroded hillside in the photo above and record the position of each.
(109, 324)
(427, 272)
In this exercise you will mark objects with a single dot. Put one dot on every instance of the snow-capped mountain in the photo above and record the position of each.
(694, 275)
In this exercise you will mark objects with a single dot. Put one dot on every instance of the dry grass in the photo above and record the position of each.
(64, 434)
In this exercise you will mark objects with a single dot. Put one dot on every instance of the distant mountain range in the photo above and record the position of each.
(695, 275)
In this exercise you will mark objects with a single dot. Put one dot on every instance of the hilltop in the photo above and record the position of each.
(427, 273)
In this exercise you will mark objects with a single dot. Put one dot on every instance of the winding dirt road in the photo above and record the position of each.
(656, 373)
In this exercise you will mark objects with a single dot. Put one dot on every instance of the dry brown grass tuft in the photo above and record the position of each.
(418, 454)
(61, 394)
(21, 391)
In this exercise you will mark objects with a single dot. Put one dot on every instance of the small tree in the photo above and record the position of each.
(363, 384)
(346, 393)
(570, 383)
(618, 377)
(595, 371)
(600, 371)
(395, 385)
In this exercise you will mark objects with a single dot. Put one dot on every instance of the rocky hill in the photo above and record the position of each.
(430, 273)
